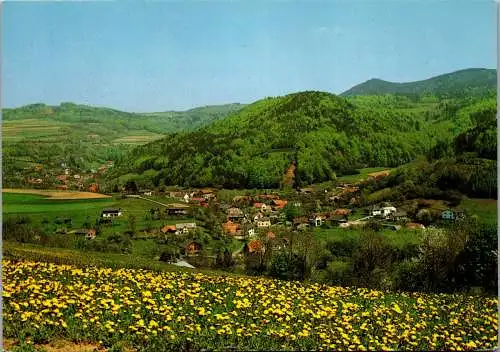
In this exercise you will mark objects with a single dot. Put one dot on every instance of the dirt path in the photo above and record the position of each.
(53, 194)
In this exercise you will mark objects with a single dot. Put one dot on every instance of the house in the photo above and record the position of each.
(399, 215)
(270, 235)
(279, 204)
(387, 211)
(168, 229)
(177, 209)
(94, 187)
(185, 227)
(254, 246)
(186, 198)
(111, 212)
(77, 177)
(415, 226)
(449, 214)
(384, 211)
(196, 200)
(234, 213)
(147, 193)
(251, 232)
(262, 206)
(258, 216)
(264, 222)
(231, 227)
(193, 248)
(376, 211)
(88, 233)
(317, 219)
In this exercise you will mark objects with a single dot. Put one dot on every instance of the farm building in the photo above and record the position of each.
(185, 227)
(231, 227)
(234, 213)
(88, 233)
(254, 246)
(193, 248)
(111, 212)
(264, 222)
(261, 206)
(177, 209)
(449, 214)
(279, 204)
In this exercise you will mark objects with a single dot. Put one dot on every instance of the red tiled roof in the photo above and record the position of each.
(255, 246)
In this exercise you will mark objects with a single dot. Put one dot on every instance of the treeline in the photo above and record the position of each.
(464, 165)
(460, 258)
(324, 134)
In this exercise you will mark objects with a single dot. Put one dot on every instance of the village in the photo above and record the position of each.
(267, 219)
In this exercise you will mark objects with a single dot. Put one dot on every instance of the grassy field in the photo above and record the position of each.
(39, 208)
(397, 239)
(485, 209)
(31, 129)
(138, 137)
(362, 175)
(54, 194)
(181, 310)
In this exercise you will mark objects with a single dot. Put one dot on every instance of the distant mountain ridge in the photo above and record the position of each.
(157, 122)
(467, 82)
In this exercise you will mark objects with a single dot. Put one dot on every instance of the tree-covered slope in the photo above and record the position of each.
(468, 82)
(466, 164)
(324, 134)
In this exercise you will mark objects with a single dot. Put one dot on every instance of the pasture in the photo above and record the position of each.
(138, 137)
(485, 209)
(18, 130)
(54, 194)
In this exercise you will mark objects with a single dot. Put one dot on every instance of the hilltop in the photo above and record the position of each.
(468, 82)
(324, 134)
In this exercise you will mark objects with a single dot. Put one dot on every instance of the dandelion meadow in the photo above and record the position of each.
(155, 311)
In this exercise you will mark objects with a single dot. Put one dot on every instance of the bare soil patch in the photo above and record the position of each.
(62, 346)
(53, 194)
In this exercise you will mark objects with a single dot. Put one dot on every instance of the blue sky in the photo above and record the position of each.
(157, 56)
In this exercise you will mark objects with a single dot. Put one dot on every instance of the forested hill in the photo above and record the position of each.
(322, 133)
(468, 82)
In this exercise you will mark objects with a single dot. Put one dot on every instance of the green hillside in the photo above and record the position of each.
(465, 165)
(468, 82)
(83, 137)
(325, 135)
